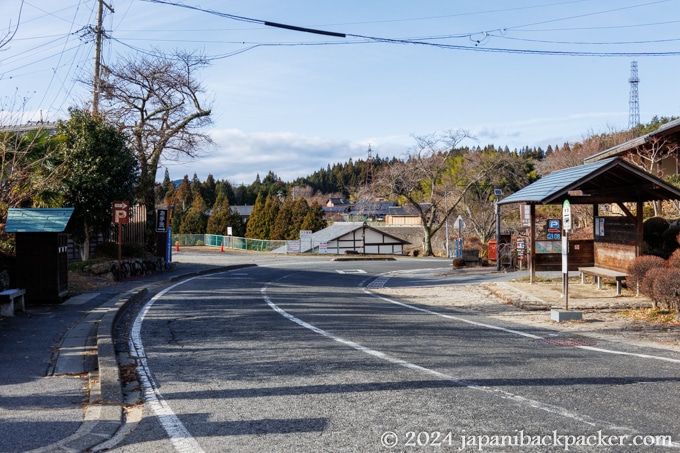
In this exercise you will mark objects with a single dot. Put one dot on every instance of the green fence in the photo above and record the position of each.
(230, 242)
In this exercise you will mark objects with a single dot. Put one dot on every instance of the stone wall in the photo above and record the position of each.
(135, 267)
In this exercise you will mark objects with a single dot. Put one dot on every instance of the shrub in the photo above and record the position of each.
(639, 267)
(458, 262)
(669, 240)
(106, 250)
(647, 283)
(674, 259)
(666, 289)
(132, 250)
(652, 230)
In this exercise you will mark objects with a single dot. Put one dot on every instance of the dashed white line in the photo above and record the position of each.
(460, 382)
(517, 332)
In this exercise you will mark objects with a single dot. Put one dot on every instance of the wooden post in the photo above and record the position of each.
(120, 247)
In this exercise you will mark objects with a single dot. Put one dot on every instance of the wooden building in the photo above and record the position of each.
(617, 239)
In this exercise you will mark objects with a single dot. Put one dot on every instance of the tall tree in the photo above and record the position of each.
(434, 179)
(195, 220)
(101, 169)
(183, 196)
(284, 224)
(158, 99)
(222, 217)
(315, 219)
(256, 228)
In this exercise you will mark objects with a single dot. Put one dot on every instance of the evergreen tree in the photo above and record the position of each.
(209, 190)
(255, 228)
(101, 169)
(195, 220)
(225, 188)
(300, 210)
(269, 213)
(162, 190)
(315, 219)
(183, 196)
(223, 217)
(284, 221)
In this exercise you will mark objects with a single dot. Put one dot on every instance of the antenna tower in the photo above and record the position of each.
(634, 100)
(369, 166)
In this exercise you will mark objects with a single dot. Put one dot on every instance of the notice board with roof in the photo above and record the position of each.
(42, 252)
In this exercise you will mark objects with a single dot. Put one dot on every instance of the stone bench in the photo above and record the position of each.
(11, 300)
(601, 272)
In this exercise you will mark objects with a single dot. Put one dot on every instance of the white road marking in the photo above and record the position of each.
(517, 332)
(178, 433)
(460, 382)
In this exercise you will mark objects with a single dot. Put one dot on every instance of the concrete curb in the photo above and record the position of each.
(104, 415)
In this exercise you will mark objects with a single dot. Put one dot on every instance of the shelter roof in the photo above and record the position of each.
(611, 180)
(668, 129)
(37, 220)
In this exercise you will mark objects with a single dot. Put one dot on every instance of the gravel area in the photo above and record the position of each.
(604, 313)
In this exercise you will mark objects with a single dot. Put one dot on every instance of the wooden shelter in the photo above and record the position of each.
(42, 252)
(617, 239)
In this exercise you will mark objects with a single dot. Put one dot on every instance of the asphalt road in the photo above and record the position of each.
(296, 355)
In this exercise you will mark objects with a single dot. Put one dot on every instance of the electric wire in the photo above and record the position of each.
(476, 47)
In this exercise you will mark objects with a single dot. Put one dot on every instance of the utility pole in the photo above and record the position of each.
(99, 32)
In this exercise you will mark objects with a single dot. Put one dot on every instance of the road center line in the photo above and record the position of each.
(517, 332)
(520, 400)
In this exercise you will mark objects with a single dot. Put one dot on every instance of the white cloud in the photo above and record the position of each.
(239, 156)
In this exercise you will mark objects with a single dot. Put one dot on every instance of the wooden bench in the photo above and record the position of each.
(600, 272)
(11, 300)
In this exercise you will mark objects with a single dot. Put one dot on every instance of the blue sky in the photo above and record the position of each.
(293, 102)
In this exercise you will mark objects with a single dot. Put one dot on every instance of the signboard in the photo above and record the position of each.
(521, 248)
(554, 230)
(323, 247)
(293, 246)
(161, 220)
(230, 231)
(525, 214)
(459, 223)
(305, 234)
(121, 212)
(168, 248)
(566, 215)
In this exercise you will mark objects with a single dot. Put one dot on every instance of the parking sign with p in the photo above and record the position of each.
(121, 212)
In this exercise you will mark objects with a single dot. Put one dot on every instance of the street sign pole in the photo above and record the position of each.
(566, 223)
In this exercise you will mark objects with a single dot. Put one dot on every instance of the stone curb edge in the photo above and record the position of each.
(104, 414)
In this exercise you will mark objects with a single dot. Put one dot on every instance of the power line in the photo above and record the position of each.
(476, 47)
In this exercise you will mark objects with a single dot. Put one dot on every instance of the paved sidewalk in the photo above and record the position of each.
(60, 388)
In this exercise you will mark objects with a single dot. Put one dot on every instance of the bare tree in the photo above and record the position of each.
(434, 179)
(8, 35)
(158, 101)
(649, 157)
